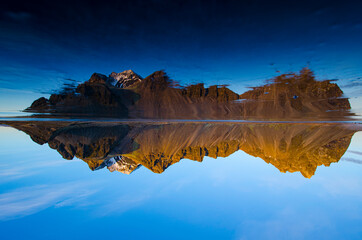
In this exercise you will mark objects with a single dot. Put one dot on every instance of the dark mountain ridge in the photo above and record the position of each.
(127, 95)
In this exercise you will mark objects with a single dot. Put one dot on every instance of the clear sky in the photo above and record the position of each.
(240, 43)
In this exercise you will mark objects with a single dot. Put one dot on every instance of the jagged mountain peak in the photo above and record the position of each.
(119, 164)
(125, 79)
(157, 80)
(129, 71)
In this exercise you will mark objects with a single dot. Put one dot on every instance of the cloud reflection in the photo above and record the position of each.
(29, 200)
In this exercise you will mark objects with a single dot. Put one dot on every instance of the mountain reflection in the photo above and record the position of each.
(124, 147)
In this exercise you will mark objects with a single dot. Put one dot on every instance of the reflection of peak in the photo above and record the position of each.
(292, 148)
(121, 164)
(126, 78)
(124, 147)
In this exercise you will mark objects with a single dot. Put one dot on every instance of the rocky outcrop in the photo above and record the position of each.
(161, 98)
(291, 96)
(94, 97)
(216, 93)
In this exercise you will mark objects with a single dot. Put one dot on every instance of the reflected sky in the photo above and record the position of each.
(232, 198)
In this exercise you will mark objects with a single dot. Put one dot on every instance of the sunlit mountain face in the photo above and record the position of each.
(125, 147)
(180, 119)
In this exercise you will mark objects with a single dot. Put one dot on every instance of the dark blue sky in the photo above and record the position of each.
(240, 43)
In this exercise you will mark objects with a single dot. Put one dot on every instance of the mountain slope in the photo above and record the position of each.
(124, 147)
(286, 97)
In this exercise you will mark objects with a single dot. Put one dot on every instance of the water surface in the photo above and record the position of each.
(217, 180)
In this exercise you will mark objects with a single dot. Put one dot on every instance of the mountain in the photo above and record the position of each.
(125, 79)
(289, 147)
(127, 95)
(125, 147)
(96, 96)
(161, 98)
(296, 96)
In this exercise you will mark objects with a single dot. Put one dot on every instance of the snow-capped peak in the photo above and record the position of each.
(125, 79)
(119, 164)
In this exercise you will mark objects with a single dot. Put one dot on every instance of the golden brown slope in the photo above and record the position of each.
(289, 147)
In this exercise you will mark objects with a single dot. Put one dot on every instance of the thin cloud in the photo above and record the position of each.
(29, 200)
(352, 84)
(124, 203)
(352, 160)
(356, 152)
(10, 172)
(18, 16)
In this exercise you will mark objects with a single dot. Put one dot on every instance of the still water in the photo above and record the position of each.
(178, 180)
